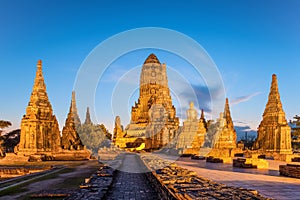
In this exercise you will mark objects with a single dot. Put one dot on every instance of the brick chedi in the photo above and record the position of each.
(39, 127)
(70, 139)
(88, 117)
(118, 129)
(200, 137)
(226, 134)
(76, 118)
(221, 137)
(274, 133)
(153, 90)
(193, 132)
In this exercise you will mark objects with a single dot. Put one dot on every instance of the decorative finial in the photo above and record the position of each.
(73, 96)
(39, 64)
(202, 114)
(152, 59)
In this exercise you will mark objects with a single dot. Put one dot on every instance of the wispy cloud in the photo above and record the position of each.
(244, 98)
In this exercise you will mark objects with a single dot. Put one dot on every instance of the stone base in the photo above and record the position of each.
(12, 157)
(193, 151)
(63, 155)
(226, 160)
(123, 142)
(260, 163)
(69, 155)
(223, 153)
(271, 155)
(251, 163)
(290, 170)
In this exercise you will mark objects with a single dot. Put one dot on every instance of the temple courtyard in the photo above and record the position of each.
(267, 182)
(67, 177)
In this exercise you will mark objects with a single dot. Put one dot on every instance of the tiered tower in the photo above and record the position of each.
(274, 133)
(74, 111)
(154, 90)
(225, 137)
(70, 138)
(39, 127)
(88, 117)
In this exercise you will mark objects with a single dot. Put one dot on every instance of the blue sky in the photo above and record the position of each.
(248, 41)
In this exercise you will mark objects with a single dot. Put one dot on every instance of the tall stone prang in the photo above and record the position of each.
(74, 111)
(154, 90)
(39, 127)
(274, 133)
(88, 116)
(202, 119)
(70, 139)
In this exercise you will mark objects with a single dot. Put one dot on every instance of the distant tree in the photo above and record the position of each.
(3, 124)
(11, 139)
(295, 126)
(93, 136)
(105, 131)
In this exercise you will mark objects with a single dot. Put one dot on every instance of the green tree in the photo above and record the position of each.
(3, 124)
(93, 136)
(295, 126)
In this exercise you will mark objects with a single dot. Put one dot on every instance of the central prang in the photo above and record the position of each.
(153, 118)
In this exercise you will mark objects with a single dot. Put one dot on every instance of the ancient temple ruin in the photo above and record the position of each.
(226, 135)
(157, 127)
(75, 115)
(221, 136)
(88, 117)
(40, 137)
(39, 127)
(118, 129)
(274, 133)
(70, 139)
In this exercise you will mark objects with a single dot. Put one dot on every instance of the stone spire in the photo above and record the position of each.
(74, 111)
(118, 129)
(274, 103)
(154, 103)
(39, 97)
(202, 119)
(70, 138)
(88, 116)
(154, 89)
(224, 134)
(39, 127)
(228, 115)
(274, 134)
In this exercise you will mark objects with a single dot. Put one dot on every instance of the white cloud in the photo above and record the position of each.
(243, 98)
